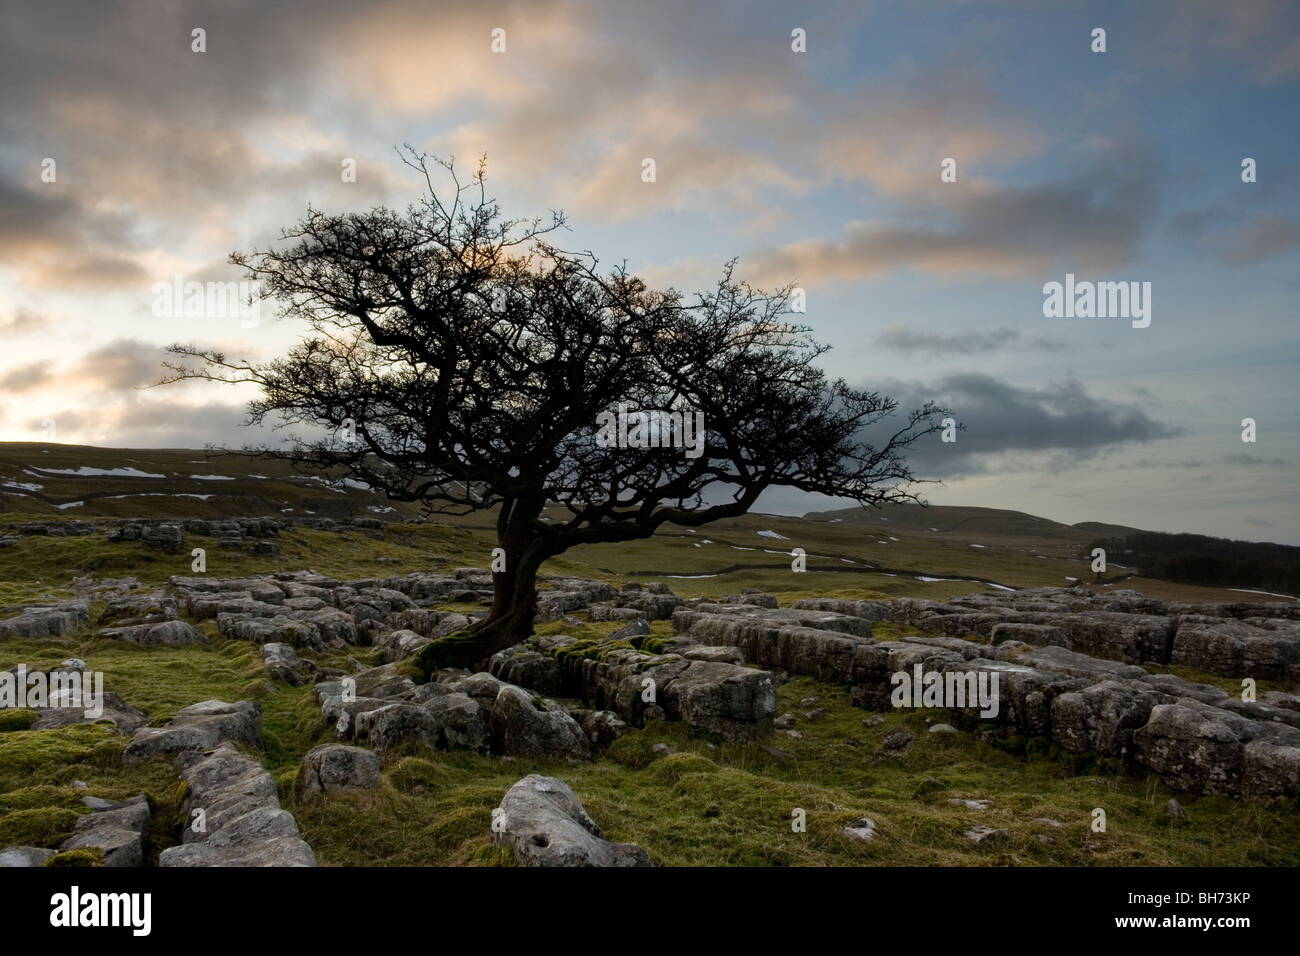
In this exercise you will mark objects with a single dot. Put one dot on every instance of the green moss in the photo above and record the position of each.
(84, 856)
(19, 719)
(593, 649)
(43, 826)
(258, 689)
(40, 795)
(494, 856)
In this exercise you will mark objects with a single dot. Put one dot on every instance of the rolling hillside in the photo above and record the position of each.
(903, 550)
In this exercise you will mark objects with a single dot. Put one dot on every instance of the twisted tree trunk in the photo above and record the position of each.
(514, 597)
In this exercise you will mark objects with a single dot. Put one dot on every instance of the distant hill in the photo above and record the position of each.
(980, 522)
(87, 481)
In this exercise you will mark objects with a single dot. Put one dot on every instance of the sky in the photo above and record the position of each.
(819, 166)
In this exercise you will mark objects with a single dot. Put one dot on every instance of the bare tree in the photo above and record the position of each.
(479, 363)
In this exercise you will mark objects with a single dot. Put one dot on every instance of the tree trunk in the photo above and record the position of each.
(514, 600)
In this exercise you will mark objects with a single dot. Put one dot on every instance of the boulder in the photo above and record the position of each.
(544, 823)
(285, 665)
(15, 856)
(119, 829)
(333, 767)
(163, 537)
(166, 633)
(242, 822)
(527, 726)
(199, 726)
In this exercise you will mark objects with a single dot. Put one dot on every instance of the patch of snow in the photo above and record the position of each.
(355, 483)
(1068, 578)
(927, 580)
(70, 504)
(213, 477)
(1001, 587)
(836, 520)
(387, 509)
(934, 529)
(892, 538)
(263, 477)
(25, 485)
(847, 561)
(882, 542)
(163, 494)
(692, 575)
(285, 511)
(695, 544)
(1250, 591)
(739, 548)
(980, 546)
(772, 534)
(86, 470)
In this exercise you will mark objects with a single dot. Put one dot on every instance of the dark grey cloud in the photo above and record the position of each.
(1053, 428)
(121, 364)
(901, 338)
(56, 239)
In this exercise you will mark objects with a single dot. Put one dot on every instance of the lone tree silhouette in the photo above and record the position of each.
(474, 358)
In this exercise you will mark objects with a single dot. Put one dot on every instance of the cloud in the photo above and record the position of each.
(119, 365)
(24, 321)
(901, 338)
(24, 378)
(1254, 461)
(57, 241)
(1093, 219)
(1261, 239)
(1054, 428)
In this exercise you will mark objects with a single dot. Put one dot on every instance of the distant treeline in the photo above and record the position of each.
(1197, 559)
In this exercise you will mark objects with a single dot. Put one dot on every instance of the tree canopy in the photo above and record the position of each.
(465, 361)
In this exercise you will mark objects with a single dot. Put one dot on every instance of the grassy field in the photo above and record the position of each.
(708, 802)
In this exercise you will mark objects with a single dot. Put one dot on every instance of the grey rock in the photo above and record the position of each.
(525, 727)
(15, 856)
(199, 726)
(639, 627)
(544, 823)
(332, 767)
(166, 633)
(982, 835)
(244, 824)
(285, 665)
(119, 829)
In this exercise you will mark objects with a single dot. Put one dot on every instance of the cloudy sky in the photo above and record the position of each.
(819, 167)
